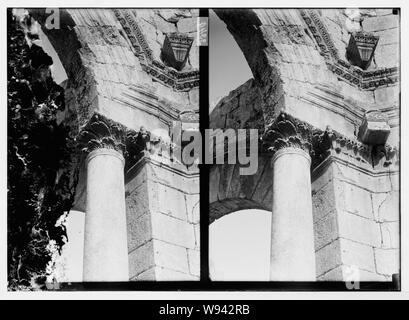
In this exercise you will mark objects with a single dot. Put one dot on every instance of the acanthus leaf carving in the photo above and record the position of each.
(288, 131)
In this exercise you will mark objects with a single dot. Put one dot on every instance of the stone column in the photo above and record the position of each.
(105, 240)
(292, 232)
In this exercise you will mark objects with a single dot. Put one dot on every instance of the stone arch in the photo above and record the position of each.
(298, 60)
(229, 191)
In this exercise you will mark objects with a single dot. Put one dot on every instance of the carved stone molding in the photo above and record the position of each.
(288, 131)
(365, 80)
(178, 80)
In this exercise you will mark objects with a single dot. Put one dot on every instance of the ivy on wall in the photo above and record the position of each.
(40, 159)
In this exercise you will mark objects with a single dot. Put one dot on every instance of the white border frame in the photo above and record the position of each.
(171, 295)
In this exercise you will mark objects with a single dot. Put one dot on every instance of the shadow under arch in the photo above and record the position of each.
(229, 191)
(219, 209)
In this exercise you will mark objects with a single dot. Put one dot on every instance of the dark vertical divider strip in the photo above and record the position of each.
(204, 169)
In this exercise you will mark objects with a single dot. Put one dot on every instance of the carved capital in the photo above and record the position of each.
(101, 132)
(285, 132)
(329, 141)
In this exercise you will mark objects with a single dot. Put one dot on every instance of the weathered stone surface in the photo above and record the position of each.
(141, 259)
(386, 206)
(354, 200)
(139, 230)
(171, 256)
(164, 274)
(387, 261)
(328, 258)
(390, 232)
(172, 230)
(193, 208)
(358, 255)
(323, 202)
(359, 229)
(325, 230)
(171, 202)
(194, 262)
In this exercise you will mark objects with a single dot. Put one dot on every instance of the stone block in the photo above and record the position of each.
(194, 262)
(187, 25)
(387, 261)
(148, 275)
(141, 259)
(380, 23)
(170, 256)
(172, 230)
(390, 235)
(325, 230)
(386, 206)
(193, 208)
(197, 236)
(321, 177)
(171, 202)
(164, 274)
(389, 36)
(359, 229)
(374, 130)
(387, 56)
(353, 199)
(351, 274)
(357, 255)
(332, 275)
(328, 258)
(371, 276)
(139, 230)
(323, 202)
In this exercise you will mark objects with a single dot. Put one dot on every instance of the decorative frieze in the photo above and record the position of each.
(288, 131)
(178, 80)
(365, 80)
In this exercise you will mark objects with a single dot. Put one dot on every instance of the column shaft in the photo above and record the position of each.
(105, 246)
(292, 233)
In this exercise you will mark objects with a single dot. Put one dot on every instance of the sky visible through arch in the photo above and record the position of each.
(228, 69)
(239, 243)
(239, 246)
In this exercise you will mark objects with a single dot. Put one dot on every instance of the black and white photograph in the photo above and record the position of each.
(203, 151)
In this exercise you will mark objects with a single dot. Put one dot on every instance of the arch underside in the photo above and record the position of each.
(229, 191)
